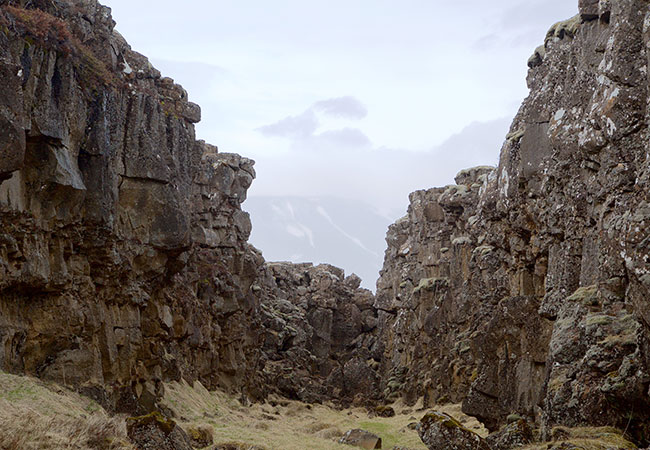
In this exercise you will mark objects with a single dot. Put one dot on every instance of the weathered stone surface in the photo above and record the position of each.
(361, 438)
(588, 9)
(514, 435)
(440, 431)
(154, 431)
(319, 341)
(526, 290)
(425, 310)
(123, 257)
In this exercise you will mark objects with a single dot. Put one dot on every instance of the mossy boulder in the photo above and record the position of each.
(157, 431)
(201, 436)
(514, 435)
(385, 411)
(440, 431)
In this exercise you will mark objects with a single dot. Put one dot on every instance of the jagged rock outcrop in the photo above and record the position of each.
(529, 283)
(319, 334)
(427, 313)
(123, 253)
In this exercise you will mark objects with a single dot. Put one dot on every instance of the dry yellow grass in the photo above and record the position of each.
(37, 415)
(290, 425)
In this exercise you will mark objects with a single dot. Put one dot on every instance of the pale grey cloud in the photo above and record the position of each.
(347, 107)
(301, 129)
(523, 24)
(540, 14)
(346, 137)
(382, 177)
(487, 42)
(300, 126)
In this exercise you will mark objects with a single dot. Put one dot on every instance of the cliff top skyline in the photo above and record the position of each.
(374, 90)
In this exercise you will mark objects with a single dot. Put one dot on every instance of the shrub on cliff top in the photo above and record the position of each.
(54, 33)
(43, 27)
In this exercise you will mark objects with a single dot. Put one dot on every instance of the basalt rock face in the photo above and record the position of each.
(320, 338)
(427, 313)
(525, 288)
(123, 253)
(124, 259)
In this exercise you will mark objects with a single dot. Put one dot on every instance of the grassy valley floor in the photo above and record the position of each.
(39, 415)
(291, 425)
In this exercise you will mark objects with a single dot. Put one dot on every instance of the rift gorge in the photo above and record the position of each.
(512, 310)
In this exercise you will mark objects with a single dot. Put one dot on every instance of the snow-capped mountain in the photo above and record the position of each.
(346, 233)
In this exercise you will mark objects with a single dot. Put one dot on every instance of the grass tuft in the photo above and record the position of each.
(36, 415)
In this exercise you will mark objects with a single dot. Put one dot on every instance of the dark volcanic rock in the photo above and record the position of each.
(440, 431)
(319, 341)
(123, 253)
(514, 435)
(156, 432)
(525, 288)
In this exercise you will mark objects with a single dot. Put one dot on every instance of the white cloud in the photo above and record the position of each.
(300, 126)
(347, 107)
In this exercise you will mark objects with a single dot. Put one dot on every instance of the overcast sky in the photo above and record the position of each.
(367, 99)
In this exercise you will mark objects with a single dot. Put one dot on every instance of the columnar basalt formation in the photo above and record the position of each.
(530, 283)
(123, 253)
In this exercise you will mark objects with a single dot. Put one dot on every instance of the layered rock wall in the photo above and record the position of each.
(529, 284)
(124, 259)
(123, 253)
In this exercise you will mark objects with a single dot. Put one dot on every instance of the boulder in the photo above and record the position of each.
(361, 438)
(385, 411)
(514, 435)
(200, 436)
(155, 431)
(440, 431)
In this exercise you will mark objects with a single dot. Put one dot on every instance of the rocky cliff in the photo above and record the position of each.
(124, 259)
(123, 254)
(320, 339)
(524, 288)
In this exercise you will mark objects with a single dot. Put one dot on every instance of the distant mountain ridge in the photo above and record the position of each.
(347, 233)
